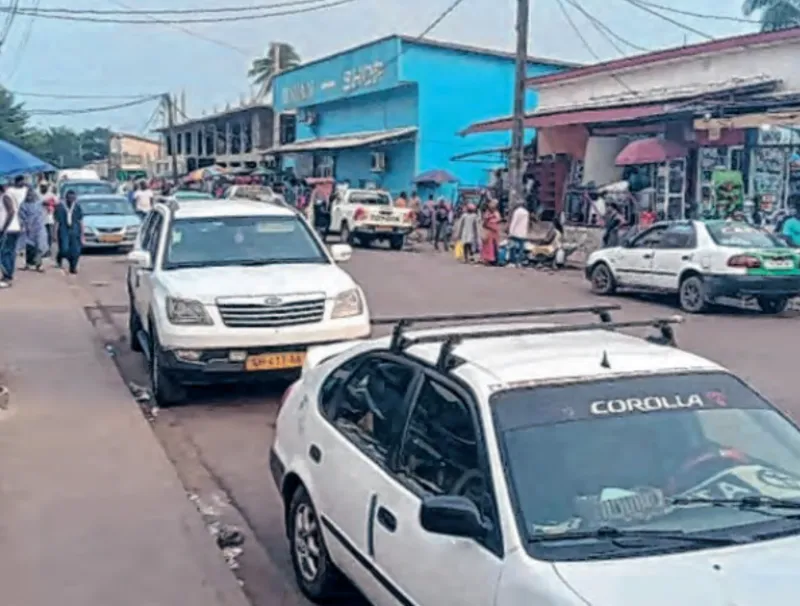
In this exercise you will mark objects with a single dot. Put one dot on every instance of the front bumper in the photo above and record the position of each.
(752, 286)
(382, 231)
(95, 241)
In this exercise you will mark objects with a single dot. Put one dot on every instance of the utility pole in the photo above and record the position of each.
(168, 106)
(515, 172)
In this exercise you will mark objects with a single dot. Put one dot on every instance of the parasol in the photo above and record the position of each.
(438, 177)
(650, 151)
(16, 161)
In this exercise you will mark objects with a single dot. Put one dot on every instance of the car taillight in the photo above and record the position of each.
(360, 214)
(747, 261)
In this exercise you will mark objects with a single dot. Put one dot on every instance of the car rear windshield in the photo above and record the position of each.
(86, 188)
(370, 198)
(106, 207)
(741, 235)
(615, 453)
(221, 241)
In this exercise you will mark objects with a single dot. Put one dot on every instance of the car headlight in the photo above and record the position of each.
(88, 231)
(132, 229)
(348, 304)
(187, 312)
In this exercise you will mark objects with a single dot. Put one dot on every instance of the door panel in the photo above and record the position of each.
(635, 265)
(676, 251)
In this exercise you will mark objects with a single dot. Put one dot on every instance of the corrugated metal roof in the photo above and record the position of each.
(344, 141)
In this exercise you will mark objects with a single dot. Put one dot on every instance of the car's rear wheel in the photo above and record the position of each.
(316, 575)
(397, 242)
(692, 295)
(773, 305)
(602, 279)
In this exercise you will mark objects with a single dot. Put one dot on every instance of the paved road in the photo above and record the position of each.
(230, 432)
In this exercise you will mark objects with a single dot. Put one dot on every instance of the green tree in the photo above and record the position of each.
(279, 57)
(774, 14)
(13, 120)
(94, 144)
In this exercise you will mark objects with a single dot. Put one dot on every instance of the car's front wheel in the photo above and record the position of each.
(317, 576)
(166, 390)
(602, 279)
(134, 328)
(773, 305)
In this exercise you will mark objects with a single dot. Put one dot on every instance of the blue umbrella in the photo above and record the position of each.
(16, 161)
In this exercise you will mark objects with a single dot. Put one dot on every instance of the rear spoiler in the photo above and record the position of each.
(320, 353)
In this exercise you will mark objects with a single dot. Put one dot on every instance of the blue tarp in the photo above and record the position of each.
(16, 161)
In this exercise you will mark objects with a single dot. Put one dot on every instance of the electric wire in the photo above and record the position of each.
(674, 22)
(678, 11)
(67, 96)
(26, 37)
(609, 34)
(11, 13)
(128, 10)
(214, 19)
(91, 110)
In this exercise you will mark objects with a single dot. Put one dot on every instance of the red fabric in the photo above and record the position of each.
(491, 236)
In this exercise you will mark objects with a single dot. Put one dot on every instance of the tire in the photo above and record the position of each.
(692, 295)
(166, 390)
(773, 305)
(602, 279)
(344, 234)
(315, 573)
(397, 242)
(134, 327)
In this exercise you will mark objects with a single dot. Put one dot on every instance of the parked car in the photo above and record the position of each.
(560, 465)
(701, 261)
(109, 221)
(227, 290)
(85, 187)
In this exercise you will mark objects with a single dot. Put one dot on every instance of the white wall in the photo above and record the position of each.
(659, 80)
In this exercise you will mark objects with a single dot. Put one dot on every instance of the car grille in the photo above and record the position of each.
(253, 315)
(110, 230)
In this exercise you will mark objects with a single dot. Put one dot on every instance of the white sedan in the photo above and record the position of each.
(529, 464)
(701, 261)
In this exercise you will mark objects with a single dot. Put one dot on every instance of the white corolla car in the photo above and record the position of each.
(520, 465)
(701, 261)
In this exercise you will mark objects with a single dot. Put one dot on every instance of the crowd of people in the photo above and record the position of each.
(33, 221)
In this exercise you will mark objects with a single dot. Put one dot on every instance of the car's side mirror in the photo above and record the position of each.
(341, 253)
(141, 259)
(453, 516)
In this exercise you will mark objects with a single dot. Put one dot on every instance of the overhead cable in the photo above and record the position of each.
(19, 93)
(128, 10)
(214, 19)
(91, 110)
(23, 45)
(674, 22)
(609, 34)
(678, 11)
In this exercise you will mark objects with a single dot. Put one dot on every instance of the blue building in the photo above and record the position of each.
(383, 113)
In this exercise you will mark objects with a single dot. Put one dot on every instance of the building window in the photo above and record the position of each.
(288, 128)
(247, 138)
(236, 139)
(169, 145)
(179, 144)
(211, 133)
(188, 143)
(325, 167)
(200, 142)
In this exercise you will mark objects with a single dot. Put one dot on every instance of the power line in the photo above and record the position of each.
(91, 110)
(606, 31)
(60, 96)
(216, 19)
(678, 11)
(127, 10)
(682, 26)
(26, 37)
(588, 46)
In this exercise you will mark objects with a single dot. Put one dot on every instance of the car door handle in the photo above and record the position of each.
(386, 519)
(315, 453)
(647, 256)
(686, 258)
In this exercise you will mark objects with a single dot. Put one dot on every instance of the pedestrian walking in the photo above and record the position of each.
(33, 231)
(518, 234)
(50, 201)
(491, 233)
(467, 233)
(143, 199)
(69, 227)
(442, 225)
(9, 229)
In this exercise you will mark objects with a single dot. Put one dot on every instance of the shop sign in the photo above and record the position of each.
(298, 93)
(363, 76)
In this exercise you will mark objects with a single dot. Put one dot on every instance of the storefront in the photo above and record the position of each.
(381, 114)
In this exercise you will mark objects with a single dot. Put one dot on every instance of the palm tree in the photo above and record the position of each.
(775, 14)
(279, 57)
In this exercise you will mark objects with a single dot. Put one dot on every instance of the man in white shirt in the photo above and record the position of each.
(143, 199)
(518, 234)
(10, 227)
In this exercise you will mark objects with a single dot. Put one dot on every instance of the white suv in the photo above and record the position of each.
(521, 465)
(235, 288)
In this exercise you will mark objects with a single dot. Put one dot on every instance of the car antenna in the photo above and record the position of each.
(604, 361)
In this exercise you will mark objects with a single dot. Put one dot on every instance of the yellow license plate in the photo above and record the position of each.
(113, 239)
(279, 361)
(384, 228)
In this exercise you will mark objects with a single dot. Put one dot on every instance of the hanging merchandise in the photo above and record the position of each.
(728, 193)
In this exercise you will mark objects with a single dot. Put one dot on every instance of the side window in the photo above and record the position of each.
(440, 450)
(371, 409)
(147, 231)
(155, 237)
(650, 239)
(332, 383)
(680, 236)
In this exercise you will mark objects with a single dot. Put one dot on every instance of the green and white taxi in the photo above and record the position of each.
(701, 261)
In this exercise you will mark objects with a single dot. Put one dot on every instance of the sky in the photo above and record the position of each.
(69, 58)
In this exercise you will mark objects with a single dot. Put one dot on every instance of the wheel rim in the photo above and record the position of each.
(691, 295)
(307, 542)
(601, 279)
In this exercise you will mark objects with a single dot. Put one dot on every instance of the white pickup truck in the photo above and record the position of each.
(364, 216)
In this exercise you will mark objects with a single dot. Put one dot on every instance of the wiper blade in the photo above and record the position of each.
(612, 533)
(748, 502)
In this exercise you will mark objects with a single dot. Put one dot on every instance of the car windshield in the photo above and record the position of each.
(741, 235)
(220, 241)
(106, 207)
(372, 197)
(616, 453)
(83, 188)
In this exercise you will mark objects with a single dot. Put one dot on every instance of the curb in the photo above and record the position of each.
(5, 397)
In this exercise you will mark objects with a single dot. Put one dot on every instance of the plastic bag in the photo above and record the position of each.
(458, 251)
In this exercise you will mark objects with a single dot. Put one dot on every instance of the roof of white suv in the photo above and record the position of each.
(232, 207)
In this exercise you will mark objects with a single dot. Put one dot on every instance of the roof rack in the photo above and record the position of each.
(400, 342)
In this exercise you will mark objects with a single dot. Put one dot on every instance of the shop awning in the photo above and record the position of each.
(344, 141)
(586, 116)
